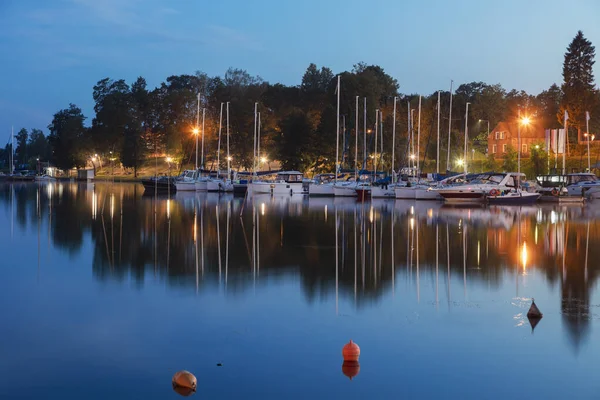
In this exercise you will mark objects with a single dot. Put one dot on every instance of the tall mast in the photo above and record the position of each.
(196, 130)
(12, 149)
(408, 137)
(337, 131)
(365, 132)
(228, 156)
(255, 122)
(449, 128)
(394, 143)
(202, 155)
(381, 135)
(419, 139)
(258, 141)
(466, 136)
(356, 143)
(375, 148)
(437, 163)
(219, 143)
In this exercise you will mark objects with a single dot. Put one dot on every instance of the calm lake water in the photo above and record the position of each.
(105, 293)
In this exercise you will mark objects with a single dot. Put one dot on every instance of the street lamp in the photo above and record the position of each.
(592, 137)
(460, 162)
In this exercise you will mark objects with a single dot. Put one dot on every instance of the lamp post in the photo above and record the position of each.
(520, 121)
(589, 137)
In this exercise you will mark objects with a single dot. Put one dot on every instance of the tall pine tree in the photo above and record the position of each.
(578, 86)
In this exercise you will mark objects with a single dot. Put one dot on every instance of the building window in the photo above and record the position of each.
(494, 149)
(524, 148)
(502, 135)
(496, 135)
(504, 146)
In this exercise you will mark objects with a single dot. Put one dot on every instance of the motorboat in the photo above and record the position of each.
(583, 184)
(285, 183)
(322, 185)
(45, 178)
(479, 188)
(187, 181)
(160, 184)
(516, 197)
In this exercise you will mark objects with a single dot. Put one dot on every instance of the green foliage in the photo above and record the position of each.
(68, 138)
(538, 159)
(578, 89)
(21, 149)
(509, 164)
(294, 142)
(490, 163)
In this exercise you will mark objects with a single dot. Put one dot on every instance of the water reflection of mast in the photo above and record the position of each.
(227, 239)
(218, 230)
(418, 274)
(168, 229)
(337, 228)
(393, 261)
(39, 217)
(363, 240)
(374, 227)
(448, 260)
(437, 263)
(587, 246)
(196, 241)
(254, 244)
(356, 253)
(464, 227)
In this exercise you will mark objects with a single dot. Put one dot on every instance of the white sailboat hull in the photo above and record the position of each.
(404, 192)
(379, 192)
(427, 194)
(348, 190)
(325, 189)
(200, 186)
(185, 186)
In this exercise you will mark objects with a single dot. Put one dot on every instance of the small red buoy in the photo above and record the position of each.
(351, 351)
(350, 368)
(184, 382)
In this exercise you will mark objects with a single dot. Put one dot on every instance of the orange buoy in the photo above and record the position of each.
(184, 381)
(350, 368)
(534, 311)
(185, 392)
(351, 351)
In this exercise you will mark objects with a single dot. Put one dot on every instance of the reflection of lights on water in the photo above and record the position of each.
(430, 213)
(94, 205)
(60, 190)
(536, 234)
(112, 205)
(524, 256)
(50, 190)
(371, 216)
(195, 227)
(412, 223)
(478, 251)
(325, 212)
(168, 208)
(412, 210)
(539, 216)
(262, 209)
(553, 217)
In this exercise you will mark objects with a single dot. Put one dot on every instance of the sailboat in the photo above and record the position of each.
(218, 184)
(320, 187)
(201, 181)
(348, 187)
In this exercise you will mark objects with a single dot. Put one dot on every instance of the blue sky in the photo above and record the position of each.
(54, 51)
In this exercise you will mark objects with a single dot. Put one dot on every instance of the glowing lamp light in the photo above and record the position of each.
(412, 156)
(229, 158)
(196, 131)
(263, 160)
(525, 121)
(460, 162)
(169, 159)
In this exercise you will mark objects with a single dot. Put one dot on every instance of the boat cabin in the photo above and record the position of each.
(511, 179)
(582, 178)
(290, 176)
